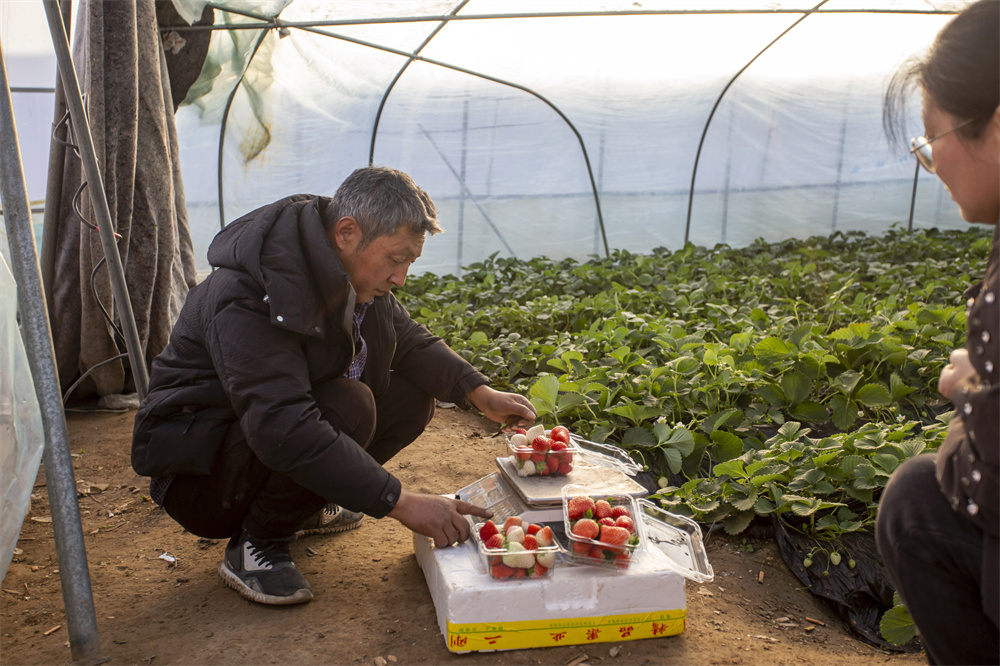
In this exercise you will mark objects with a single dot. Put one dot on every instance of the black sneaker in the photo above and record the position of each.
(331, 518)
(262, 571)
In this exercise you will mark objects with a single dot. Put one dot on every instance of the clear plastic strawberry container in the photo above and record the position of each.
(521, 553)
(548, 458)
(591, 538)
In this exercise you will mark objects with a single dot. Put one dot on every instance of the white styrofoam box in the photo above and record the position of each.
(575, 604)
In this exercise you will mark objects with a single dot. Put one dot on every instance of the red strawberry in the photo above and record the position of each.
(614, 535)
(544, 536)
(626, 522)
(495, 541)
(579, 506)
(539, 570)
(538, 457)
(523, 454)
(488, 529)
(581, 547)
(520, 573)
(494, 559)
(622, 560)
(541, 443)
(560, 433)
(553, 464)
(530, 543)
(587, 529)
(501, 571)
(558, 446)
(602, 509)
(533, 529)
(565, 468)
(521, 431)
(566, 456)
(619, 511)
(609, 521)
(597, 553)
(511, 522)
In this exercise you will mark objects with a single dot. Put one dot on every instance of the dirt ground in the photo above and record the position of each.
(371, 600)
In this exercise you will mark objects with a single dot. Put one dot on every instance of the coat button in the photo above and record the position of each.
(390, 497)
(972, 459)
(985, 336)
(965, 482)
(967, 407)
(972, 436)
(969, 303)
(266, 298)
(989, 297)
(318, 330)
(977, 476)
(979, 350)
(280, 318)
(972, 508)
(954, 502)
(989, 366)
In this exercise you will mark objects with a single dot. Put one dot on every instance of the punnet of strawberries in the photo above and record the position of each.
(516, 549)
(537, 452)
(601, 531)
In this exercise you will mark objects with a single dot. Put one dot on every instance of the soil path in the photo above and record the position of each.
(371, 599)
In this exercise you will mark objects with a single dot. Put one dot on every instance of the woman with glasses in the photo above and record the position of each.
(939, 516)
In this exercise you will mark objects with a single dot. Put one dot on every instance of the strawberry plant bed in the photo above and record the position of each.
(783, 378)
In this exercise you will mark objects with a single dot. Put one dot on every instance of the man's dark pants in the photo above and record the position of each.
(934, 558)
(241, 492)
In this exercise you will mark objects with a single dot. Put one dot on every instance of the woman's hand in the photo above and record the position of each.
(958, 369)
(510, 409)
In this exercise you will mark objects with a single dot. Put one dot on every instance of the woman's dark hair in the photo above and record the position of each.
(961, 73)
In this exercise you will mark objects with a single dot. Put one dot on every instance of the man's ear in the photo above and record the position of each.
(345, 234)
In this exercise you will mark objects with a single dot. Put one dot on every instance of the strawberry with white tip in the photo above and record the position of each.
(517, 558)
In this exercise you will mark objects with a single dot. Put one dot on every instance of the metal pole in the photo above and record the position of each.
(95, 187)
(74, 576)
(463, 178)
(913, 197)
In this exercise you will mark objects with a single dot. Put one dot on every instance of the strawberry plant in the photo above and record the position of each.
(783, 379)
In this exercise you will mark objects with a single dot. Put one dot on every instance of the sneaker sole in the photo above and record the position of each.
(328, 530)
(233, 581)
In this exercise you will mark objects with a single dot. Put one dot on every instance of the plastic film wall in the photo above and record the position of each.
(501, 117)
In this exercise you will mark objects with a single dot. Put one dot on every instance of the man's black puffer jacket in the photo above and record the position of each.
(273, 320)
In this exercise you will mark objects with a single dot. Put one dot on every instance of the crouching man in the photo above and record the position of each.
(293, 374)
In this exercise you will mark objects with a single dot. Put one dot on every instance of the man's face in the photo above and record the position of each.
(379, 266)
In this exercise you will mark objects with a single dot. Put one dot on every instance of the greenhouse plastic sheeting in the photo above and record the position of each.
(508, 102)
(21, 435)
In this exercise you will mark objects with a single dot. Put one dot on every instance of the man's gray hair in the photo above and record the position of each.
(383, 200)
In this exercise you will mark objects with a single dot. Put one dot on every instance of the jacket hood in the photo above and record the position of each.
(284, 248)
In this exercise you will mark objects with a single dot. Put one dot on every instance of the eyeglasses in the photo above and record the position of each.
(920, 146)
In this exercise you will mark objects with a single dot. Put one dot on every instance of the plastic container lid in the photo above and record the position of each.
(679, 538)
(607, 455)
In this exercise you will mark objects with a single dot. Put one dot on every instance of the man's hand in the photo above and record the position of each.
(510, 409)
(958, 369)
(440, 518)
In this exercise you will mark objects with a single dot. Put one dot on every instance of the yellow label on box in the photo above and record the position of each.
(568, 631)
